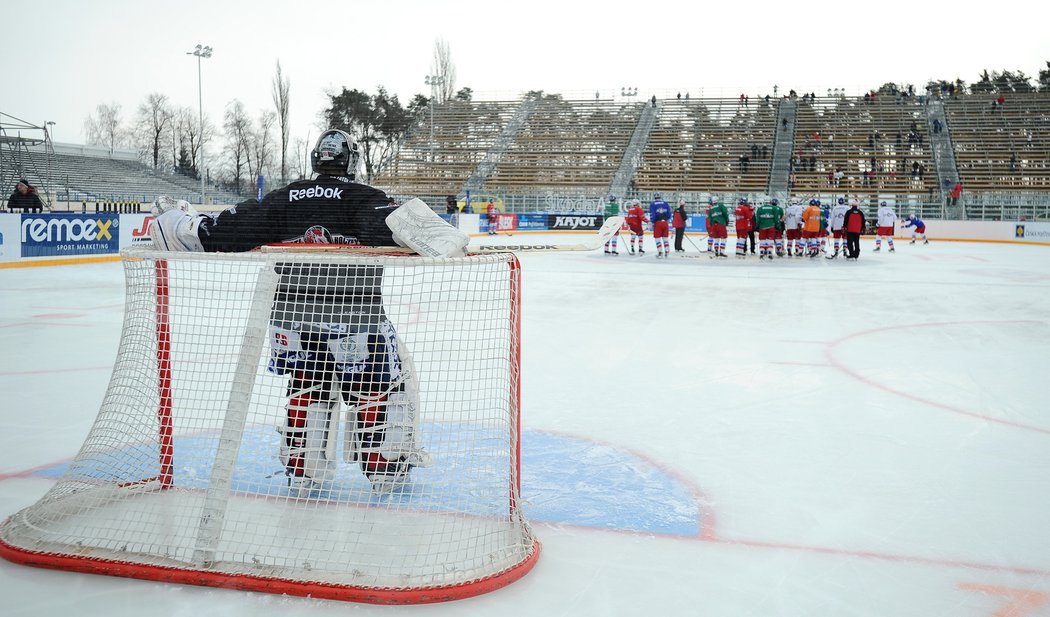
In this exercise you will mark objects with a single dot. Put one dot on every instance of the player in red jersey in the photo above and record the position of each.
(636, 218)
(744, 214)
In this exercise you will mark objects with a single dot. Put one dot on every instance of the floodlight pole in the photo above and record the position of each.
(433, 81)
(201, 51)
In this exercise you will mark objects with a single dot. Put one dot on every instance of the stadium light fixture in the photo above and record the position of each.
(201, 51)
(434, 81)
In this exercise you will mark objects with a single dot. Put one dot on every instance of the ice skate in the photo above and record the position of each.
(912, 242)
(892, 250)
(876, 249)
(925, 241)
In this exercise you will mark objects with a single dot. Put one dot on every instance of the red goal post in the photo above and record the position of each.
(180, 478)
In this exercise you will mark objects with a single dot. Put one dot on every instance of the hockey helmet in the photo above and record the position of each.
(813, 202)
(335, 154)
(636, 203)
(842, 200)
(882, 203)
(775, 201)
(656, 196)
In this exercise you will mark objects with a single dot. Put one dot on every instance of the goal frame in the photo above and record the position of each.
(165, 480)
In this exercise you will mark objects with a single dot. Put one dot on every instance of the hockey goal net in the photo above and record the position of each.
(185, 475)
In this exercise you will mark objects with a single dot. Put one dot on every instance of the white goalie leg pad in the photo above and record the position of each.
(400, 426)
(416, 226)
(310, 442)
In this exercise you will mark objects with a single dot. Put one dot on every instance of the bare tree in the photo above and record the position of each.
(302, 157)
(151, 125)
(262, 145)
(238, 128)
(281, 103)
(192, 137)
(103, 128)
(444, 69)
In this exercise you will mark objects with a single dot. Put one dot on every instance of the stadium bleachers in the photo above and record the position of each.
(854, 146)
(1001, 147)
(573, 146)
(80, 178)
(463, 133)
(544, 145)
(697, 145)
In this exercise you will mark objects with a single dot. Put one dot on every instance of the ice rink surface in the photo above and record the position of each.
(718, 438)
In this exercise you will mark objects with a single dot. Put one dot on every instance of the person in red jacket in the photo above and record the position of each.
(681, 217)
(744, 214)
(853, 225)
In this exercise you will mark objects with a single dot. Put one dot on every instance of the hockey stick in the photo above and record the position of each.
(694, 244)
(592, 243)
(608, 229)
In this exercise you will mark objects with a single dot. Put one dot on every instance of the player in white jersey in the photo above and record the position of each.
(835, 222)
(887, 217)
(793, 227)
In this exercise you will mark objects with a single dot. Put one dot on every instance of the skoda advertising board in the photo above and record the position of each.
(69, 234)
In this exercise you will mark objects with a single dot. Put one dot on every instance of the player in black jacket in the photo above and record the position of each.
(328, 330)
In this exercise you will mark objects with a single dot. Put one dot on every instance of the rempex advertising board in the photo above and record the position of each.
(69, 234)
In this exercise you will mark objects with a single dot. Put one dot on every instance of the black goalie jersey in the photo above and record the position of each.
(326, 210)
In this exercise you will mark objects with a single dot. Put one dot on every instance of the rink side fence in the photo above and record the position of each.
(60, 238)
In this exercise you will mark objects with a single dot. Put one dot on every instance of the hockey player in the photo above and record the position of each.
(612, 209)
(707, 217)
(825, 212)
(793, 228)
(717, 221)
(886, 218)
(835, 222)
(766, 218)
(744, 214)
(660, 215)
(811, 227)
(853, 224)
(452, 210)
(919, 228)
(635, 220)
(492, 214)
(329, 333)
(778, 235)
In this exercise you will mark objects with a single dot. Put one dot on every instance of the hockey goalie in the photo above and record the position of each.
(328, 332)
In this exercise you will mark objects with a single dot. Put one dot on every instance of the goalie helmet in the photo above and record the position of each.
(335, 155)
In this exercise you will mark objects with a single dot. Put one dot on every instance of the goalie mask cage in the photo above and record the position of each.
(181, 478)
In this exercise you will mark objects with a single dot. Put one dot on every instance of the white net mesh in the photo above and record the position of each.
(319, 418)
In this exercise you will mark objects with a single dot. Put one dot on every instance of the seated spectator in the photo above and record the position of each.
(25, 197)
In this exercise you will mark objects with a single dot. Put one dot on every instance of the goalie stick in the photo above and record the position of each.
(591, 243)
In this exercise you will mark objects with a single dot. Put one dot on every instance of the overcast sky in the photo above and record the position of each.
(61, 58)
